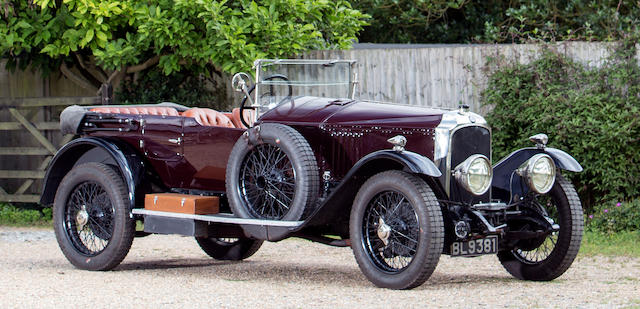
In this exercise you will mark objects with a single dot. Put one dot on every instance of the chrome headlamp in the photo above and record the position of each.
(539, 172)
(474, 174)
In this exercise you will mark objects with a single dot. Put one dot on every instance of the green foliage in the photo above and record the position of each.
(548, 20)
(185, 87)
(406, 21)
(461, 21)
(117, 34)
(591, 113)
(614, 217)
(11, 215)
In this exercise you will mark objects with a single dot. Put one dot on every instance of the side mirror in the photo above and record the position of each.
(240, 81)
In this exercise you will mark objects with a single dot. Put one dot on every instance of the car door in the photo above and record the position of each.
(162, 143)
(206, 150)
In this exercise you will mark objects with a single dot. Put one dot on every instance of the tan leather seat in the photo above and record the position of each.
(248, 113)
(209, 117)
(143, 110)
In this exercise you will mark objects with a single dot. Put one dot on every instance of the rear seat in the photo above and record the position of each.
(203, 116)
(209, 117)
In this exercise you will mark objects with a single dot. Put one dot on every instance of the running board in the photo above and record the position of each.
(217, 218)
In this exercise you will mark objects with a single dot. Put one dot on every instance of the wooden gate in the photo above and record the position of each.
(30, 138)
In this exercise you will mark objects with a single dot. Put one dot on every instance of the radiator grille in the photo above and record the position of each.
(464, 143)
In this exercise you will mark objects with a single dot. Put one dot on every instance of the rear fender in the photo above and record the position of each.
(92, 149)
(505, 178)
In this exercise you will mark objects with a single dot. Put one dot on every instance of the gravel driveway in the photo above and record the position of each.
(172, 271)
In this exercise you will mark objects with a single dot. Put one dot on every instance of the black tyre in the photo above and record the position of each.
(230, 249)
(91, 217)
(272, 174)
(549, 257)
(396, 230)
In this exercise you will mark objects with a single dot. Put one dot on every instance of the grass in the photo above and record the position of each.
(32, 216)
(620, 244)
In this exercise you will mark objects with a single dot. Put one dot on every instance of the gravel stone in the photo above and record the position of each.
(172, 272)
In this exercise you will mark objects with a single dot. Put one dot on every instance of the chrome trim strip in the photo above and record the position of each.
(492, 206)
(218, 218)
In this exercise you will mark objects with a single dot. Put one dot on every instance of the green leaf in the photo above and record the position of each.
(89, 35)
(101, 36)
(23, 24)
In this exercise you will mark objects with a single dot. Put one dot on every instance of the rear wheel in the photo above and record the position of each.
(232, 249)
(91, 217)
(548, 257)
(396, 230)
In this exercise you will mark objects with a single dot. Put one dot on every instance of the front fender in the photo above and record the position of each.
(504, 170)
(129, 165)
(411, 162)
(336, 207)
(339, 201)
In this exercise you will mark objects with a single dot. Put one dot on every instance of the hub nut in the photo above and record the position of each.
(462, 229)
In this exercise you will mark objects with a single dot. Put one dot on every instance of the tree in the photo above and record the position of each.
(104, 40)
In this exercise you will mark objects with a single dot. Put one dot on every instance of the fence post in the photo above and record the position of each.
(106, 94)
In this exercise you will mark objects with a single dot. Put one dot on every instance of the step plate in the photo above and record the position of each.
(218, 218)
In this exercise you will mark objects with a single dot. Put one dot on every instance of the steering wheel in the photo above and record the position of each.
(243, 105)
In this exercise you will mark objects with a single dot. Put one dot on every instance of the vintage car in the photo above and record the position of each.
(301, 157)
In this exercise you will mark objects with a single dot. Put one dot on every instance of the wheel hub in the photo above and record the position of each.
(82, 217)
(261, 182)
(384, 231)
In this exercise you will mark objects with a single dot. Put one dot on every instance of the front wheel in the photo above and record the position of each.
(229, 249)
(91, 217)
(396, 230)
(549, 257)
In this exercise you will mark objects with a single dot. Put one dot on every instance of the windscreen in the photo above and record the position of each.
(281, 80)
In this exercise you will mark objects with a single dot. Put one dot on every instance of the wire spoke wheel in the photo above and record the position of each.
(547, 207)
(390, 231)
(267, 182)
(272, 174)
(88, 218)
(548, 257)
(91, 217)
(396, 230)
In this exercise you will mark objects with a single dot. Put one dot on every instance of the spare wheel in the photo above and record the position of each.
(272, 174)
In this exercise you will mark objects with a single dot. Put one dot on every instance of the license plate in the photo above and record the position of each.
(474, 247)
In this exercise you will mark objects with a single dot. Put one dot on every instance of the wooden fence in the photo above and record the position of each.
(444, 75)
(38, 143)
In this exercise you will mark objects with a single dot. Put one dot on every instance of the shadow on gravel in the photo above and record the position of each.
(287, 272)
(254, 271)
(168, 264)
(443, 280)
